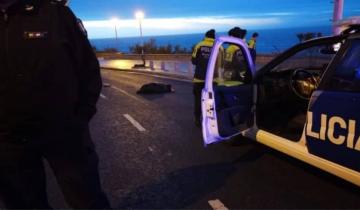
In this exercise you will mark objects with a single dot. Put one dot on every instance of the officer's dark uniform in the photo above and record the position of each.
(200, 58)
(49, 85)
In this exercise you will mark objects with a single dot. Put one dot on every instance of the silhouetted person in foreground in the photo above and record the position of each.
(49, 85)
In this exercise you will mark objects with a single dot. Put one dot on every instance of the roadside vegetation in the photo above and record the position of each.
(151, 47)
(308, 35)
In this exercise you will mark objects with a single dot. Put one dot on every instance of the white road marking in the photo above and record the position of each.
(217, 205)
(103, 96)
(134, 123)
(107, 85)
(128, 94)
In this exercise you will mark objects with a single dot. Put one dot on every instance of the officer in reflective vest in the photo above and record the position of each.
(200, 58)
(235, 64)
(252, 45)
(236, 32)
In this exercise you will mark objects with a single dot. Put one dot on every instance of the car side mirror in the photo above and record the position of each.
(328, 51)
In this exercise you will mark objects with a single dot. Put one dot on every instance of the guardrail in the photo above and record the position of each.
(174, 64)
(110, 56)
(172, 67)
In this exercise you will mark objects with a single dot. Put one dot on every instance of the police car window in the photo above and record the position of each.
(314, 58)
(347, 73)
(232, 68)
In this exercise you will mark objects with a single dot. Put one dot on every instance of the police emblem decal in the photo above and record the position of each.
(35, 35)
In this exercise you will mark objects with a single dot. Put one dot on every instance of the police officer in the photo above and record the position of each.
(49, 85)
(252, 45)
(200, 58)
(235, 64)
(239, 33)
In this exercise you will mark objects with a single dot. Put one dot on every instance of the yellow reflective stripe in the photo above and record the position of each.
(230, 51)
(207, 42)
(198, 81)
(230, 83)
(251, 44)
(218, 80)
(195, 51)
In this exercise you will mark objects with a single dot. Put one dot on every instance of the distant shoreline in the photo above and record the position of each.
(270, 41)
(218, 32)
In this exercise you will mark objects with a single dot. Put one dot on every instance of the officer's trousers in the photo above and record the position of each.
(197, 90)
(71, 156)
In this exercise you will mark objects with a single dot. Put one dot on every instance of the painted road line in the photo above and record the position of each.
(103, 96)
(217, 205)
(151, 149)
(134, 123)
(107, 85)
(128, 94)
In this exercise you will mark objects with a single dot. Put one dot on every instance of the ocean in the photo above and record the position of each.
(269, 41)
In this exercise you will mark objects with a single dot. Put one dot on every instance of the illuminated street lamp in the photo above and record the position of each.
(139, 15)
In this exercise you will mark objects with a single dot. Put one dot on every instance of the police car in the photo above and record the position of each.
(304, 103)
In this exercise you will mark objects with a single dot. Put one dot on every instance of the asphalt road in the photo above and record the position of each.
(162, 163)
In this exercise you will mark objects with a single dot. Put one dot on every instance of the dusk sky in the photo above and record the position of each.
(164, 17)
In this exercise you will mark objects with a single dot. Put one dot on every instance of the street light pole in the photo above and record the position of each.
(142, 42)
(115, 22)
(338, 15)
(140, 16)
(116, 33)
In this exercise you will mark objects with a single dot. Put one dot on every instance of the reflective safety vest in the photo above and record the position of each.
(252, 44)
(230, 52)
(235, 65)
(234, 58)
(200, 58)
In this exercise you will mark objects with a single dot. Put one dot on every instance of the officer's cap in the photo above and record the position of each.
(210, 34)
(239, 33)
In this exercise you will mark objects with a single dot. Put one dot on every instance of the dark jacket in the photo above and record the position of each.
(49, 74)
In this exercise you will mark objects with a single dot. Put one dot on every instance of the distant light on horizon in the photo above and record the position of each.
(168, 26)
(139, 15)
(114, 21)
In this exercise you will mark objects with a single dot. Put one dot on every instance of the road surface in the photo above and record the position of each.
(152, 157)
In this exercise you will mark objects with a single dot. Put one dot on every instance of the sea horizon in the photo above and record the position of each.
(269, 41)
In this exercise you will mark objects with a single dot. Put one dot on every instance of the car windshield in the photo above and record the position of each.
(314, 58)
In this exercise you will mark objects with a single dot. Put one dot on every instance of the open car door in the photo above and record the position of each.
(228, 96)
